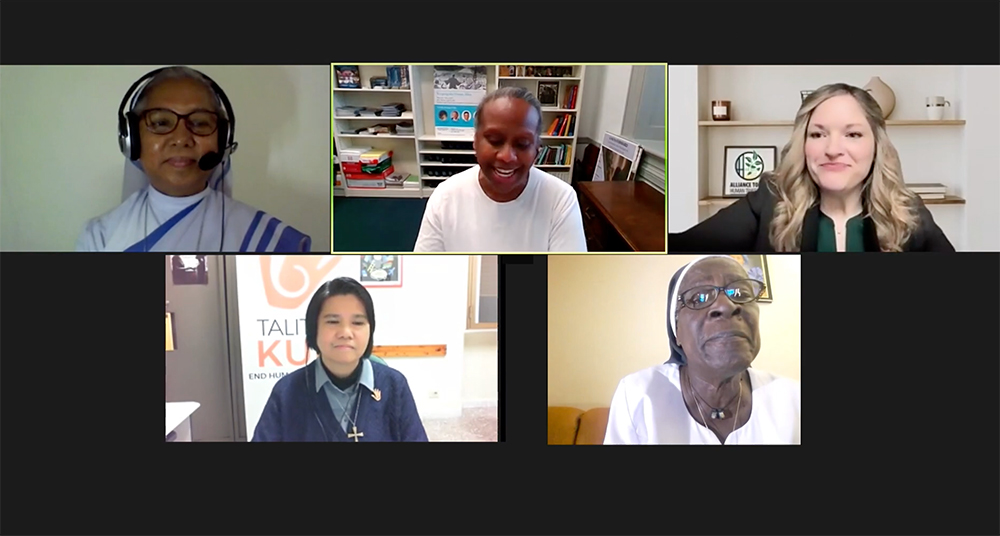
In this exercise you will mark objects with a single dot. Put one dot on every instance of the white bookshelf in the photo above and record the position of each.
(418, 154)
(403, 147)
(563, 170)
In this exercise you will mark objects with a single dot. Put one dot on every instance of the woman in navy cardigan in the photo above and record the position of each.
(343, 395)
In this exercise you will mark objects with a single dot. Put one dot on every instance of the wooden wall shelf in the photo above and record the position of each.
(890, 122)
(424, 350)
(725, 201)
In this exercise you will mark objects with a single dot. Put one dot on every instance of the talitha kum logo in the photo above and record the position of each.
(296, 278)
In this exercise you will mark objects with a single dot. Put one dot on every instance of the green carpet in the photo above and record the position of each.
(372, 225)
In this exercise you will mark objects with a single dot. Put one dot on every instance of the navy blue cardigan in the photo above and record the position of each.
(296, 411)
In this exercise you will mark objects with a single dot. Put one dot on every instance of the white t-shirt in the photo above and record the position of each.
(460, 217)
(648, 408)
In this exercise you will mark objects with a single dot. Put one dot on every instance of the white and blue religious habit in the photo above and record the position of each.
(306, 406)
(208, 221)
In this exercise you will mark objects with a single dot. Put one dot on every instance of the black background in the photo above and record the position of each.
(900, 353)
(899, 361)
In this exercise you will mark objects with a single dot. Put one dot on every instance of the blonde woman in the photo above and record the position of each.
(838, 186)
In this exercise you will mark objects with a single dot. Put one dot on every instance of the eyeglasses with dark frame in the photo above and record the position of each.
(739, 292)
(163, 121)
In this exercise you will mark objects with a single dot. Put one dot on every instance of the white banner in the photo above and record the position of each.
(273, 292)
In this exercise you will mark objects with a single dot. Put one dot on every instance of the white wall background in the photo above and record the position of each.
(603, 106)
(430, 308)
(618, 326)
(963, 158)
(60, 164)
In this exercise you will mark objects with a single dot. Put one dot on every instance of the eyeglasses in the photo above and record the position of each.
(162, 121)
(740, 292)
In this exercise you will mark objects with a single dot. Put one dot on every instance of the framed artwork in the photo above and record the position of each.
(756, 267)
(744, 166)
(381, 271)
(348, 76)
(509, 70)
(548, 93)
(189, 269)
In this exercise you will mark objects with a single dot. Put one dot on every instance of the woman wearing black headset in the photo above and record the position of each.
(177, 136)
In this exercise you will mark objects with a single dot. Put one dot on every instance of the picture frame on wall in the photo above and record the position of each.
(744, 166)
(381, 271)
(189, 269)
(756, 267)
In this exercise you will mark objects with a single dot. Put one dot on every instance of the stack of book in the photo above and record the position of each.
(554, 155)
(399, 76)
(369, 171)
(394, 109)
(928, 191)
(348, 111)
(570, 102)
(404, 129)
(562, 125)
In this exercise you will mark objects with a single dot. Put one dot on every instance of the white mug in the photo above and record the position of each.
(935, 108)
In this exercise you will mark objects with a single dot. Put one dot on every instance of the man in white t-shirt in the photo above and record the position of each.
(504, 204)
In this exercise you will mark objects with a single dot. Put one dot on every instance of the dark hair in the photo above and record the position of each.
(342, 286)
(513, 92)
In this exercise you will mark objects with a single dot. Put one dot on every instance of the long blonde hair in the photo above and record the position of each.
(887, 201)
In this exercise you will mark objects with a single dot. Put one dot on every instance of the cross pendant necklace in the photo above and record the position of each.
(354, 422)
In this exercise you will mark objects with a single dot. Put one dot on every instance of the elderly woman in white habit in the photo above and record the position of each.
(707, 393)
(177, 135)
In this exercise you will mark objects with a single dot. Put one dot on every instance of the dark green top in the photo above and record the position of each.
(826, 236)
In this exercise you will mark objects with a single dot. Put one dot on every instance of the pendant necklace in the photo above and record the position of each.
(736, 418)
(354, 421)
(717, 413)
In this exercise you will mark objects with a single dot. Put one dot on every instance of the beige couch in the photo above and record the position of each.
(573, 426)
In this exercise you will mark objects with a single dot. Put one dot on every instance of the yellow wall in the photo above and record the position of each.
(607, 319)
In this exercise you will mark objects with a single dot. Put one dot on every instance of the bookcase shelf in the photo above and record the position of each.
(419, 103)
(545, 78)
(366, 89)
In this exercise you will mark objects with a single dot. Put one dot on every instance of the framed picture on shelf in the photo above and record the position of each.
(744, 166)
(381, 271)
(756, 267)
(348, 76)
(548, 93)
(509, 70)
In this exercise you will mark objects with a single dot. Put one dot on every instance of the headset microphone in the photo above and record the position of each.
(209, 161)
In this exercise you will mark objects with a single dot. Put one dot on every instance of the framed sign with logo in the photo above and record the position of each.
(744, 167)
